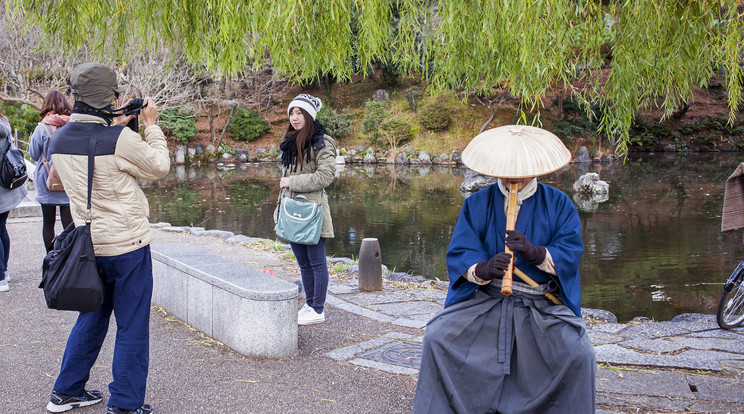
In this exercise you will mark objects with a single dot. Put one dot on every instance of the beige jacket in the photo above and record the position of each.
(120, 211)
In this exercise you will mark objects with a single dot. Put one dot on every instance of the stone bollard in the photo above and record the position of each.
(370, 266)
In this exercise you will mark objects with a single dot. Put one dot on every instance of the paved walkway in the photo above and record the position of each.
(363, 359)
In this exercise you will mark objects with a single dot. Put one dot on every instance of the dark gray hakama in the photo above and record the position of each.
(506, 354)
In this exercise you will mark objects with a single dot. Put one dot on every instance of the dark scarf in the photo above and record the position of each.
(289, 146)
(107, 112)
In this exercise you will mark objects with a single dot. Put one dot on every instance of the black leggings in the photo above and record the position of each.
(4, 242)
(49, 216)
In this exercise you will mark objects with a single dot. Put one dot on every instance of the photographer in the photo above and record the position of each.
(120, 232)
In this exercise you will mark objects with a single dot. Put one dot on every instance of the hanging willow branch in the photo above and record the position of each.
(661, 49)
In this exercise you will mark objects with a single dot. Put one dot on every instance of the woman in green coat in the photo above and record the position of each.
(309, 164)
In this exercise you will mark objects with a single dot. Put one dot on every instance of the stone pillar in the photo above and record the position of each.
(370, 266)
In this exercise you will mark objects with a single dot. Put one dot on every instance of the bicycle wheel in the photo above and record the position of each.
(730, 312)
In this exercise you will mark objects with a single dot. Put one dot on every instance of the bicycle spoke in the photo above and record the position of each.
(731, 308)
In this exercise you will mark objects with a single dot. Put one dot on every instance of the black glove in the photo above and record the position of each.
(493, 267)
(516, 241)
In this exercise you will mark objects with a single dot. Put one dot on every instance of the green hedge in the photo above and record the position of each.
(434, 117)
(24, 118)
(179, 124)
(337, 125)
(247, 125)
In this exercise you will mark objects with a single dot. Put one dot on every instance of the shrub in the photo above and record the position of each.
(337, 125)
(648, 134)
(413, 96)
(391, 74)
(396, 132)
(247, 125)
(179, 123)
(434, 117)
(374, 116)
(21, 117)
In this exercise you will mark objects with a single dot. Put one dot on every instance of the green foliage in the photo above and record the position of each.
(179, 123)
(247, 125)
(711, 130)
(272, 153)
(434, 116)
(396, 132)
(576, 121)
(375, 114)
(337, 125)
(390, 74)
(226, 149)
(413, 96)
(649, 134)
(339, 267)
(24, 118)
(660, 49)
(270, 245)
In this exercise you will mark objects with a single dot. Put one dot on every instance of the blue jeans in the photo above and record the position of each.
(314, 270)
(128, 291)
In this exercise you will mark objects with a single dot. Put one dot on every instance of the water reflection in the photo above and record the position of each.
(653, 248)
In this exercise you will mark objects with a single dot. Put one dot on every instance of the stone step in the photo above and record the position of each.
(29, 207)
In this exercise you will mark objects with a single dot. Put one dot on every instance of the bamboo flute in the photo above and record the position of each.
(511, 221)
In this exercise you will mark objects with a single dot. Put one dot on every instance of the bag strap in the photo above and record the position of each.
(46, 163)
(91, 163)
(10, 144)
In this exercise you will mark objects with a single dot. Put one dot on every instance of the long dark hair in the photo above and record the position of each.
(302, 136)
(55, 102)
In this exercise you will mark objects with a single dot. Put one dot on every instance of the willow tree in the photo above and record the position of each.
(661, 49)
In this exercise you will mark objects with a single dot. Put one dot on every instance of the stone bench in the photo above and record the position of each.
(249, 311)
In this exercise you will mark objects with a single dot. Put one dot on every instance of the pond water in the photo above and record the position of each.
(653, 248)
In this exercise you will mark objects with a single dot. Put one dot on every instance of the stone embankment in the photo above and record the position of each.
(404, 156)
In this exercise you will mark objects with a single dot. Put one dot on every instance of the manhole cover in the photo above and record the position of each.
(402, 353)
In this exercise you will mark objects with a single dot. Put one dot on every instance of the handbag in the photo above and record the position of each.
(53, 182)
(70, 275)
(299, 221)
(12, 168)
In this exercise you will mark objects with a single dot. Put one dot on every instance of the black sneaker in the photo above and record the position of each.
(60, 402)
(145, 409)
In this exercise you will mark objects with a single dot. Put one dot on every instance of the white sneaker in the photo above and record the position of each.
(308, 316)
(4, 285)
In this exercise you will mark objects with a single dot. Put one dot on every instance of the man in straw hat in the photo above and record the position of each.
(518, 351)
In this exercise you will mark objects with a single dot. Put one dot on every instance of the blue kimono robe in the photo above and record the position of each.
(548, 218)
(518, 354)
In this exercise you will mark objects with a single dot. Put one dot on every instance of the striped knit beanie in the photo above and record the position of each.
(307, 102)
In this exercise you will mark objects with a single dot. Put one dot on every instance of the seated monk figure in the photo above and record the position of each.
(524, 350)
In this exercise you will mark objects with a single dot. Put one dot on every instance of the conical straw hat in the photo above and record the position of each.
(516, 151)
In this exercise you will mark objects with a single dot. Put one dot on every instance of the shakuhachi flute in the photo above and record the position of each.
(511, 221)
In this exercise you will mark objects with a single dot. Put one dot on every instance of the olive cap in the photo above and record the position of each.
(95, 84)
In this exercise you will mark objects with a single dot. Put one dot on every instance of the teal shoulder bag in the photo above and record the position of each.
(299, 221)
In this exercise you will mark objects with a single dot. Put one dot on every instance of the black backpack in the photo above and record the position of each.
(12, 168)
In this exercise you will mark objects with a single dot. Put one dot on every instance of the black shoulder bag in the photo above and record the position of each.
(69, 274)
(12, 168)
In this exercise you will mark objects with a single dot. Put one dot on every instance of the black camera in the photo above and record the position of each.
(133, 108)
